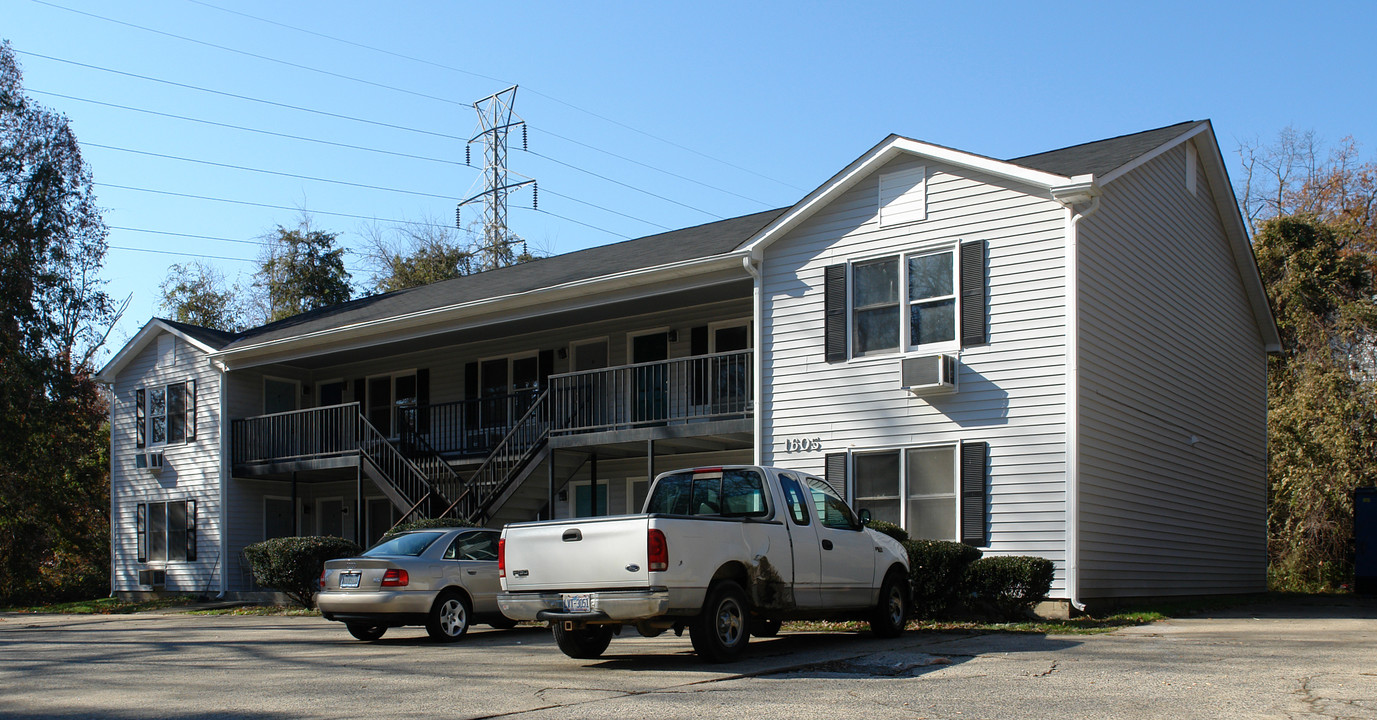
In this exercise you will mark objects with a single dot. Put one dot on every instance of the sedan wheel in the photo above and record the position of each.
(449, 617)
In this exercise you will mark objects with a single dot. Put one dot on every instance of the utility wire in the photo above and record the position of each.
(497, 80)
(182, 254)
(259, 243)
(617, 182)
(243, 97)
(576, 222)
(249, 129)
(255, 55)
(273, 172)
(266, 205)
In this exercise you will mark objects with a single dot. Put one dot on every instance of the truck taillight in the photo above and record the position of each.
(502, 557)
(395, 578)
(657, 551)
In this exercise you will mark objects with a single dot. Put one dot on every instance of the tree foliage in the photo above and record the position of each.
(1322, 399)
(301, 270)
(196, 293)
(417, 254)
(54, 314)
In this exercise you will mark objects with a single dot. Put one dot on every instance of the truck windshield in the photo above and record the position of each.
(729, 493)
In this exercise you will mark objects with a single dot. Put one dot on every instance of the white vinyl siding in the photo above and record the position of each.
(1170, 350)
(1012, 388)
(191, 472)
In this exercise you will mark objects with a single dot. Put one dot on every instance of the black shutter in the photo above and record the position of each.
(834, 302)
(973, 293)
(698, 345)
(973, 495)
(190, 530)
(190, 410)
(545, 367)
(423, 400)
(141, 529)
(835, 472)
(140, 417)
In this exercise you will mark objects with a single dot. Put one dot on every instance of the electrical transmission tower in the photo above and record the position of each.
(496, 120)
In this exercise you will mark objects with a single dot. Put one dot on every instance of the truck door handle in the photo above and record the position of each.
(826, 544)
(572, 535)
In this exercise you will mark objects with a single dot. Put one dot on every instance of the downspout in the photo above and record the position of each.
(223, 441)
(1073, 449)
(753, 264)
(114, 461)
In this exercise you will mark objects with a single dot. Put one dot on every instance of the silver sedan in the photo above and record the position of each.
(442, 578)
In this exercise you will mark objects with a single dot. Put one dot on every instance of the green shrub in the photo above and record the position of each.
(292, 565)
(1009, 586)
(936, 571)
(889, 529)
(426, 523)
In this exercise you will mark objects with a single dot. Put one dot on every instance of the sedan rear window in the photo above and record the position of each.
(413, 544)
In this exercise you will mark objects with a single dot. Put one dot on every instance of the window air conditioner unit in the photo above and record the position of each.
(153, 578)
(929, 374)
(150, 461)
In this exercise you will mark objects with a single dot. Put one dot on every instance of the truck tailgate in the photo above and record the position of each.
(577, 554)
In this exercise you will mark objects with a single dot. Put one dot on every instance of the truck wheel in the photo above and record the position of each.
(449, 617)
(366, 632)
(720, 632)
(585, 643)
(765, 628)
(888, 618)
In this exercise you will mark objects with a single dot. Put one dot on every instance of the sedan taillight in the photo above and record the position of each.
(395, 578)
(322, 579)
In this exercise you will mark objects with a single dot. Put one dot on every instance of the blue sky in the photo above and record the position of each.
(642, 116)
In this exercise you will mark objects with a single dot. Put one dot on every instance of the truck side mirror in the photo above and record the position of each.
(865, 516)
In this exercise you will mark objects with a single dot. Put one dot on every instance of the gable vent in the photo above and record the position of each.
(928, 374)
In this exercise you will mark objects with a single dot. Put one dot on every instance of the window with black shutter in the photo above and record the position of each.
(973, 293)
(165, 414)
(835, 302)
(165, 531)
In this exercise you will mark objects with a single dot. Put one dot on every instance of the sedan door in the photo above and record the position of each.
(473, 560)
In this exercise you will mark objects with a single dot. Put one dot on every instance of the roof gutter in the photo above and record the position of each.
(1083, 189)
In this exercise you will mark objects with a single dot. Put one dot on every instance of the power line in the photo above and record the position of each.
(272, 172)
(259, 243)
(181, 254)
(248, 129)
(253, 55)
(236, 96)
(267, 205)
(488, 77)
(576, 222)
(617, 182)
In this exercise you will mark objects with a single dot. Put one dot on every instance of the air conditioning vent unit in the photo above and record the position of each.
(150, 461)
(153, 578)
(929, 374)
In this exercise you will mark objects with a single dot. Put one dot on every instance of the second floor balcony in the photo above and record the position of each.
(680, 391)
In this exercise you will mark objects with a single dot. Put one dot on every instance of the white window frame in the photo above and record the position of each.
(572, 502)
(143, 532)
(905, 303)
(725, 324)
(904, 494)
(188, 413)
(631, 336)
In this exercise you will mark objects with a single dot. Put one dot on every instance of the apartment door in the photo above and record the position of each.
(730, 392)
(331, 516)
(589, 405)
(650, 397)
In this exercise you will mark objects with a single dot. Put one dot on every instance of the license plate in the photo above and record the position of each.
(582, 602)
(349, 580)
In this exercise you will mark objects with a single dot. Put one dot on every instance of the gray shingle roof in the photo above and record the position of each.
(214, 338)
(1102, 156)
(702, 241)
(675, 246)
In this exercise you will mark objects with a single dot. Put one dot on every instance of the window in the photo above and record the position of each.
(166, 531)
(875, 306)
(165, 414)
(730, 493)
(832, 510)
(480, 545)
(914, 488)
(794, 499)
(932, 298)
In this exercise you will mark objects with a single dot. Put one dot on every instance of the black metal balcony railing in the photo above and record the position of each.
(705, 387)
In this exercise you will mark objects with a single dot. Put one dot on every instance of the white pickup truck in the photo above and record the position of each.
(723, 551)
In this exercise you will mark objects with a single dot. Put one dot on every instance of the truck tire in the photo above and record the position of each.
(720, 632)
(585, 643)
(449, 617)
(890, 615)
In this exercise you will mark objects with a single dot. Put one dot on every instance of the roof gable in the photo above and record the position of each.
(203, 339)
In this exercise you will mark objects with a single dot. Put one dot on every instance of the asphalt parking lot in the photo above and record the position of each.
(1281, 660)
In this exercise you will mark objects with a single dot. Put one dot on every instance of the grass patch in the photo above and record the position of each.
(291, 610)
(105, 606)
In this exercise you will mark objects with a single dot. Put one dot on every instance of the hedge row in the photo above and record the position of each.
(292, 565)
(950, 578)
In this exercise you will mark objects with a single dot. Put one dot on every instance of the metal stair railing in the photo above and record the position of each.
(444, 482)
(394, 467)
(504, 464)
